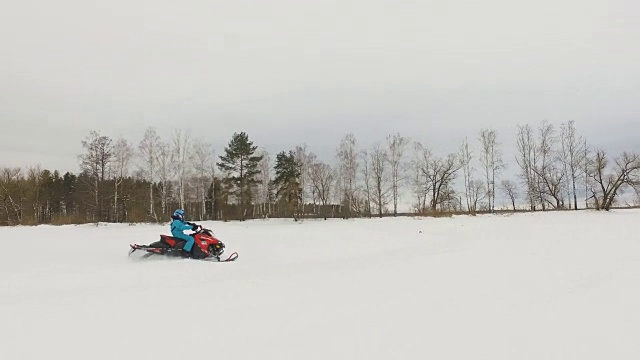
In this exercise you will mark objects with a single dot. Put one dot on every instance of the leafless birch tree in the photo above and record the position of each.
(122, 154)
(366, 177)
(166, 172)
(264, 185)
(181, 148)
(474, 190)
(491, 159)
(302, 156)
(397, 145)
(465, 159)
(348, 164)
(573, 146)
(203, 166)
(526, 160)
(419, 186)
(379, 172)
(148, 149)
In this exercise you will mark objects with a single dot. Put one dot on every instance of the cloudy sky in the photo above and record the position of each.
(293, 71)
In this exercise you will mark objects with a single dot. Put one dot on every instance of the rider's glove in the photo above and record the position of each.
(194, 227)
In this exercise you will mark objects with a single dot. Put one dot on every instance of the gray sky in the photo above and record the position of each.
(433, 70)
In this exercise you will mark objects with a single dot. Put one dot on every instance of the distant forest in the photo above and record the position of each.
(123, 182)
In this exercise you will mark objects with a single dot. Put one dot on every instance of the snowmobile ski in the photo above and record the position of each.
(231, 257)
(164, 251)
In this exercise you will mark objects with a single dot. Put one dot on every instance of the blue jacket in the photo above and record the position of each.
(178, 227)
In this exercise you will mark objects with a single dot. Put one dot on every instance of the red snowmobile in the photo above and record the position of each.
(206, 247)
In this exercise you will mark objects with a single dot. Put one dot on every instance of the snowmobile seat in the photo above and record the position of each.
(172, 241)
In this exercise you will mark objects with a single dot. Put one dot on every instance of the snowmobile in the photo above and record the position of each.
(206, 247)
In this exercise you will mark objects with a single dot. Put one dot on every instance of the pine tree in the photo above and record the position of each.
(287, 181)
(241, 164)
(69, 185)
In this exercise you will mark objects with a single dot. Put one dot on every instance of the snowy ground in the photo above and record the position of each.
(529, 286)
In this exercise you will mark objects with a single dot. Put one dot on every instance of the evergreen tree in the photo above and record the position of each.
(69, 184)
(287, 180)
(241, 164)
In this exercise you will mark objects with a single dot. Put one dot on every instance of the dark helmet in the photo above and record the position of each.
(178, 215)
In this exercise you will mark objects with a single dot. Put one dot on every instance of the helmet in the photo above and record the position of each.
(178, 214)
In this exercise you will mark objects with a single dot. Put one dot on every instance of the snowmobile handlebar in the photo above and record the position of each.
(194, 226)
(199, 228)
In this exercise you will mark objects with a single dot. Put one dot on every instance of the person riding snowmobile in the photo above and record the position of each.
(178, 226)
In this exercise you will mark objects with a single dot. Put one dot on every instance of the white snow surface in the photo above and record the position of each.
(556, 285)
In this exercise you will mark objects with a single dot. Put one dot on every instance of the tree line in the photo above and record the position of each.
(120, 182)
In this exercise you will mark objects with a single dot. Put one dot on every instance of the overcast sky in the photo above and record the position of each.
(293, 71)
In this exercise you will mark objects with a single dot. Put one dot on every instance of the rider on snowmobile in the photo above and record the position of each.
(178, 226)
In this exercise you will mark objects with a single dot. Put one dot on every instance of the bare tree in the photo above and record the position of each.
(421, 158)
(573, 146)
(122, 154)
(605, 185)
(526, 160)
(202, 164)
(181, 147)
(95, 162)
(337, 195)
(551, 183)
(477, 193)
(439, 174)
(636, 188)
(417, 181)
(474, 190)
(166, 172)
(396, 145)
(9, 177)
(510, 189)
(34, 177)
(264, 185)
(544, 153)
(322, 178)
(379, 159)
(366, 176)
(311, 190)
(491, 159)
(302, 156)
(467, 170)
(348, 165)
(148, 149)
(549, 171)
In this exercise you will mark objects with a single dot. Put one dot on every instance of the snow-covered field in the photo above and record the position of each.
(528, 286)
